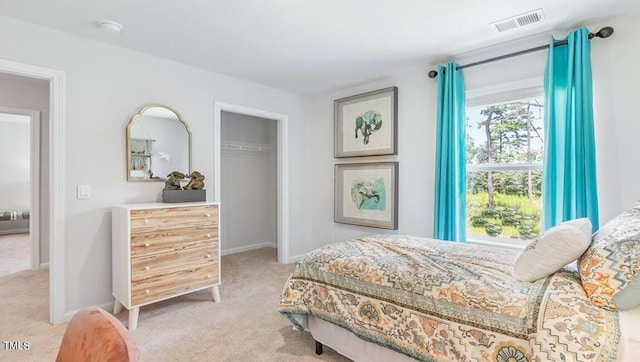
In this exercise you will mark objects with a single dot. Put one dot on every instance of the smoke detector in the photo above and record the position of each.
(110, 26)
(518, 21)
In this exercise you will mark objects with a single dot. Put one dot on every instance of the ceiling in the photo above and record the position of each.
(309, 46)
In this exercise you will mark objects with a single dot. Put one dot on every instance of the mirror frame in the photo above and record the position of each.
(133, 120)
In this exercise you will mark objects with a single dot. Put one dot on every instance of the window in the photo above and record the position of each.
(505, 149)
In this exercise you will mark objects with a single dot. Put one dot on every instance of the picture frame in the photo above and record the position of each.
(366, 124)
(366, 194)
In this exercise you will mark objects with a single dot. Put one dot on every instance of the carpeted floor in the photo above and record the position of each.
(245, 326)
(24, 299)
(15, 253)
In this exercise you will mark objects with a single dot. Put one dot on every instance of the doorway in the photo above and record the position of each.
(281, 150)
(20, 185)
(52, 214)
(248, 182)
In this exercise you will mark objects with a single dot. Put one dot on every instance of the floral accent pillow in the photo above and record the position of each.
(552, 250)
(610, 268)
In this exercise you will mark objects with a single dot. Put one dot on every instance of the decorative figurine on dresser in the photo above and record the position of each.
(161, 251)
(193, 191)
(173, 181)
(196, 181)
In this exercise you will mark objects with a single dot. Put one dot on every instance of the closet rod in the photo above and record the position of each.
(245, 147)
(602, 33)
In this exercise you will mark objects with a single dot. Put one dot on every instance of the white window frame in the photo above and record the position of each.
(497, 94)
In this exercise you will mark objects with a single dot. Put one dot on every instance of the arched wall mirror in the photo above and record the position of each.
(158, 142)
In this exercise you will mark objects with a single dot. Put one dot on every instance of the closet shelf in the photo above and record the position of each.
(232, 146)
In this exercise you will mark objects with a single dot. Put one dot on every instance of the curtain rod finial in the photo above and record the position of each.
(433, 74)
(603, 33)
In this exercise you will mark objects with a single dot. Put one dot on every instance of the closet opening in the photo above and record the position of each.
(251, 180)
(248, 172)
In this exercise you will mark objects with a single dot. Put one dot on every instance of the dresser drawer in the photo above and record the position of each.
(163, 275)
(167, 218)
(161, 241)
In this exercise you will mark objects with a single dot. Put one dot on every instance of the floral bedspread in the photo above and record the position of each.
(443, 301)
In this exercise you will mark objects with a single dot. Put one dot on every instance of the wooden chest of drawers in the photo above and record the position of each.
(163, 250)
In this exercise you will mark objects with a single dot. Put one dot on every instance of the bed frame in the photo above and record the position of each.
(8, 227)
(350, 345)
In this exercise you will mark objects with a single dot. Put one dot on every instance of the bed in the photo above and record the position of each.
(398, 297)
(14, 222)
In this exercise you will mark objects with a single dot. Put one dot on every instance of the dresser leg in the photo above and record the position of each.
(216, 293)
(117, 307)
(133, 318)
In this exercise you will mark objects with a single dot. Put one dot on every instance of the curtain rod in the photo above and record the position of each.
(605, 32)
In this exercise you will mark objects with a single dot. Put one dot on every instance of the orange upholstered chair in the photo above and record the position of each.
(95, 335)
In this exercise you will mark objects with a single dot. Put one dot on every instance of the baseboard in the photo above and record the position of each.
(249, 247)
(108, 306)
(44, 265)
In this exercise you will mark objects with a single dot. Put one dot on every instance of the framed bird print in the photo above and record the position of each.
(367, 194)
(366, 124)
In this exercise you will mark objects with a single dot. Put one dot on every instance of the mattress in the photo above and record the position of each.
(431, 299)
(14, 222)
(350, 346)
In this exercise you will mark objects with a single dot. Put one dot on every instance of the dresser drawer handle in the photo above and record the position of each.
(208, 235)
(208, 215)
(147, 268)
(146, 221)
(209, 276)
(209, 256)
(146, 245)
(147, 291)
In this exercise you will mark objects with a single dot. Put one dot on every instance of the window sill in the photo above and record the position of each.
(497, 243)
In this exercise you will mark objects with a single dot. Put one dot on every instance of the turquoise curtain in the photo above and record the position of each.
(569, 187)
(450, 196)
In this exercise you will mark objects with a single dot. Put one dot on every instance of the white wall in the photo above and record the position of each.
(248, 183)
(616, 78)
(105, 87)
(416, 146)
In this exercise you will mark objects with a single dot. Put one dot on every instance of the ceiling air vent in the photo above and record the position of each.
(518, 21)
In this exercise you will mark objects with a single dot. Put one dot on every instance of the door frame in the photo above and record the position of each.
(282, 171)
(56, 162)
(34, 179)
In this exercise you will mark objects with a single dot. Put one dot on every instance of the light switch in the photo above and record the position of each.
(84, 192)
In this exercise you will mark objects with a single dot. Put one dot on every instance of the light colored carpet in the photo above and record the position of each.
(15, 253)
(24, 299)
(245, 326)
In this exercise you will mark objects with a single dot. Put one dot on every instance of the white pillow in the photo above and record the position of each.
(555, 248)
